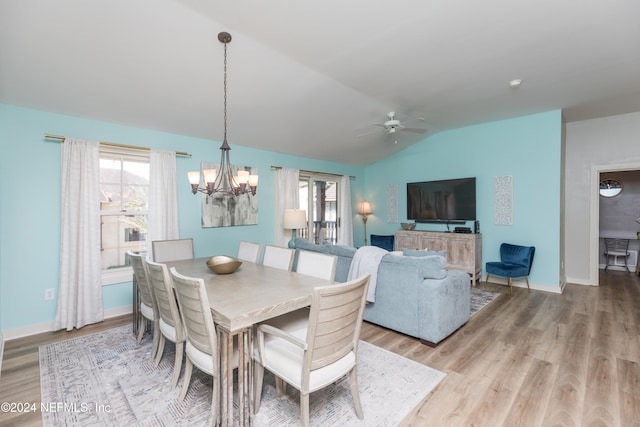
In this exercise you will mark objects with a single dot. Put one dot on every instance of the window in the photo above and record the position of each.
(124, 201)
(318, 196)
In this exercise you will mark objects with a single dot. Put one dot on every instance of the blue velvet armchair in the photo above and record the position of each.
(515, 261)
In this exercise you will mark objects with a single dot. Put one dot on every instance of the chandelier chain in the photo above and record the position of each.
(225, 92)
(224, 183)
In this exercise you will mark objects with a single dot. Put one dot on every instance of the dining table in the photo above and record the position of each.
(239, 300)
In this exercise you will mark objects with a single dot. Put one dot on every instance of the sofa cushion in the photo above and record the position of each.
(429, 266)
(422, 252)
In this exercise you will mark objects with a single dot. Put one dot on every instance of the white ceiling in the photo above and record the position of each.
(307, 78)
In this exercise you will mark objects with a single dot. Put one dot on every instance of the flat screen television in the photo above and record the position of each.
(449, 200)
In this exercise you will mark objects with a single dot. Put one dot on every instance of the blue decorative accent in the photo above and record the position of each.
(384, 242)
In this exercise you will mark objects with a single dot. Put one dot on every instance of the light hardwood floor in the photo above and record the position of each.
(528, 359)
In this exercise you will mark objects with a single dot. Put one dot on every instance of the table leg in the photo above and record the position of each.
(223, 343)
(244, 343)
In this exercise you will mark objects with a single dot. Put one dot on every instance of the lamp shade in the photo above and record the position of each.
(294, 219)
(365, 208)
(194, 178)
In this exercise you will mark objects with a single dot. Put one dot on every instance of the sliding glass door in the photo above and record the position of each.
(318, 196)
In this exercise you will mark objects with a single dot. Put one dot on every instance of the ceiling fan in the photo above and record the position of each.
(394, 125)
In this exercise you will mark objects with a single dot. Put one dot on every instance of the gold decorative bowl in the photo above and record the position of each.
(408, 225)
(223, 264)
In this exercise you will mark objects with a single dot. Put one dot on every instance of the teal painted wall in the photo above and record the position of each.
(527, 148)
(30, 203)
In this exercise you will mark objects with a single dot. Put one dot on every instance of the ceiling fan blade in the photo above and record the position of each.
(377, 131)
(414, 130)
(417, 119)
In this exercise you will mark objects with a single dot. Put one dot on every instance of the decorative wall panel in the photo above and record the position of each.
(503, 202)
(392, 204)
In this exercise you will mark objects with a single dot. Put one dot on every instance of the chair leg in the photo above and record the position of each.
(187, 380)
(156, 339)
(487, 279)
(281, 387)
(215, 402)
(177, 365)
(142, 324)
(304, 408)
(355, 392)
(527, 279)
(258, 376)
(159, 351)
(510, 285)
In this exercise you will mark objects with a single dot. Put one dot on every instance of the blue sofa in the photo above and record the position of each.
(414, 296)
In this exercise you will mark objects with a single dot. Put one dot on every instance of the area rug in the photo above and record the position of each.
(480, 298)
(107, 379)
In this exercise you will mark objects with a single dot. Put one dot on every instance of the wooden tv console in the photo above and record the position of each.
(464, 250)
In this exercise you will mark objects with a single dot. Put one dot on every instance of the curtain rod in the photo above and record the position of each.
(314, 172)
(113, 144)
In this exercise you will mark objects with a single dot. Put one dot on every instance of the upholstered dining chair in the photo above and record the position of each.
(277, 257)
(172, 250)
(249, 251)
(515, 261)
(322, 266)
(312, 358)
(316, 264)
(148, 306)
(170, 323)
(202, 343)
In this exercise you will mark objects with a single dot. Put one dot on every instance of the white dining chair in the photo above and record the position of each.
(249, 251)
(322, 266)
(148, 307)
(316, 264)
(202, 342)
(172, 250)
(324, 351)
(278, 257)
(170, 323)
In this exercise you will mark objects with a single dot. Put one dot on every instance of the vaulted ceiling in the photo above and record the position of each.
(308, 78)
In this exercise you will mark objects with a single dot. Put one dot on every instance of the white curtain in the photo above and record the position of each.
(163, 199)
(287, 197)
(345, 231)
(80, 288)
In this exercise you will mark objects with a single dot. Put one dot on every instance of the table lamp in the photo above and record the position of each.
(293, 220)
(364, 209)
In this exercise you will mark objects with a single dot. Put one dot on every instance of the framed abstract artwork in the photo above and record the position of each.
(226, 210)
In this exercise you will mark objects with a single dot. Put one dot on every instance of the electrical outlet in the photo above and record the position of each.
(49, 294)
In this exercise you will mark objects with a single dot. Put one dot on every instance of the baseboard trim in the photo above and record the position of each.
(583, 282)
(533, 286)
(48, 327)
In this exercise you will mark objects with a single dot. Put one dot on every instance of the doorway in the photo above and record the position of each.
(594, 224)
